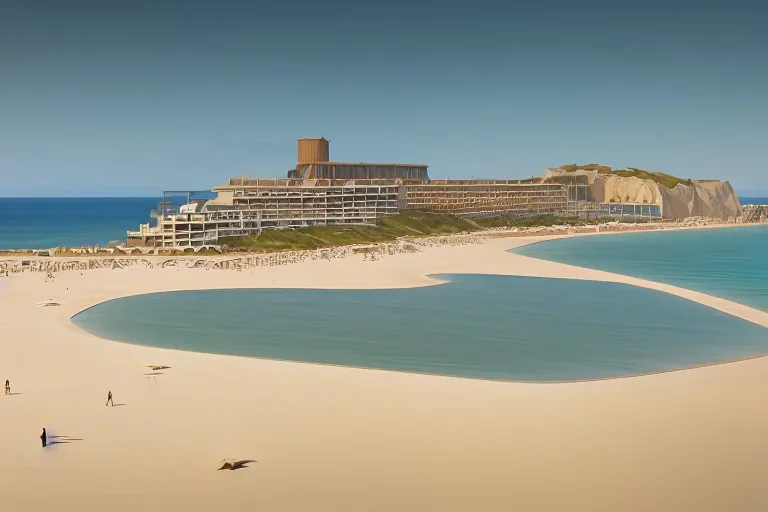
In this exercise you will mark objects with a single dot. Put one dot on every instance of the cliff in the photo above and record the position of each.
(678, 198)
(715, 199)
(615, 189)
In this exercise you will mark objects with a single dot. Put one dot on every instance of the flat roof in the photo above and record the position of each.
(360, 163)
(236, 183)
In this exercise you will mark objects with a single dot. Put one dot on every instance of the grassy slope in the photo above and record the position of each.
(389, 228)
(667, 180)
(602, 169)
(659, 177)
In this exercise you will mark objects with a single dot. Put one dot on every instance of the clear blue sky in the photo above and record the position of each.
(130, 98)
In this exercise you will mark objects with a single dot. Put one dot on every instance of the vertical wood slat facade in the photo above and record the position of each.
(313, 150)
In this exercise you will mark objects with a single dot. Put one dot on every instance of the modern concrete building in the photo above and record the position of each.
(322, 192)
(486, 197)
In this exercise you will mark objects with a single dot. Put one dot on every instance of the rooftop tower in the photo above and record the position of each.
(313, 151)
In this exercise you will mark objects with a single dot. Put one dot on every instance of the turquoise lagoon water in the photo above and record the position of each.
(486, 326)
(730, 263)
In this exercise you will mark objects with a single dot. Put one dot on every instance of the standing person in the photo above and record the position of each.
(109, 398)
(44, 438)
(7, 387)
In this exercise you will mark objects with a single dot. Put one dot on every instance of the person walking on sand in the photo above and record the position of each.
(44, 438)
(109, 399)
(7, 387)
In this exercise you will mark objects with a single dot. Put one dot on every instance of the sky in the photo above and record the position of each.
(132, 98)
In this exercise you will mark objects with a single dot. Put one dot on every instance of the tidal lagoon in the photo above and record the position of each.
(482, 326)
(727, 263)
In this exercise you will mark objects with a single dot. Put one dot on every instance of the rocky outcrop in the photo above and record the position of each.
(678, 202)
(615, 189)
(714, 199)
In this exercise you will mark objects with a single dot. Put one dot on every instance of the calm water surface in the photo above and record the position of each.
(43, 223)
(485, 326)
(730, 262)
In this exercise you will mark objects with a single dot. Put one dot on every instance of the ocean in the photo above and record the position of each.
(483, 326)
(43, 223)
(729, 262)
(753, 200)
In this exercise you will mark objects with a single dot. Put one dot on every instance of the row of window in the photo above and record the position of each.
(646, 210)
(323, 171)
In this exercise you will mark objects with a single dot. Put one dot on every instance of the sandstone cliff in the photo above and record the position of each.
(715, 199)
(615, 189)
(687, 198)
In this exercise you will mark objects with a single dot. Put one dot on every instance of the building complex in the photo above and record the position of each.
(323, 192)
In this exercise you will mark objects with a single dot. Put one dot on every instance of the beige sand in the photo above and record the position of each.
(332, 438)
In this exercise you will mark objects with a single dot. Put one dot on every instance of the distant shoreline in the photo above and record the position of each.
(99, 252)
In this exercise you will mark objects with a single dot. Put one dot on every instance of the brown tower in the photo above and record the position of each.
(313, 150)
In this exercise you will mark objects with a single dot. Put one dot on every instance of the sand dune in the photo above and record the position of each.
(333, 438)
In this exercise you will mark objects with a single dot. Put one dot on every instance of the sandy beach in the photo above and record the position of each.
(335, 438)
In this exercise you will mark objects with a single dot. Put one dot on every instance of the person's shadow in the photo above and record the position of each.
(63, 439)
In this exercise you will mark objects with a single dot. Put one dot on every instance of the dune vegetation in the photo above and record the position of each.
(387, 229)
(661, 178)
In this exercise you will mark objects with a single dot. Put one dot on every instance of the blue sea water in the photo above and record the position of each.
(486, 326)
(42, 223)
(729, 263)
(753, 200)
